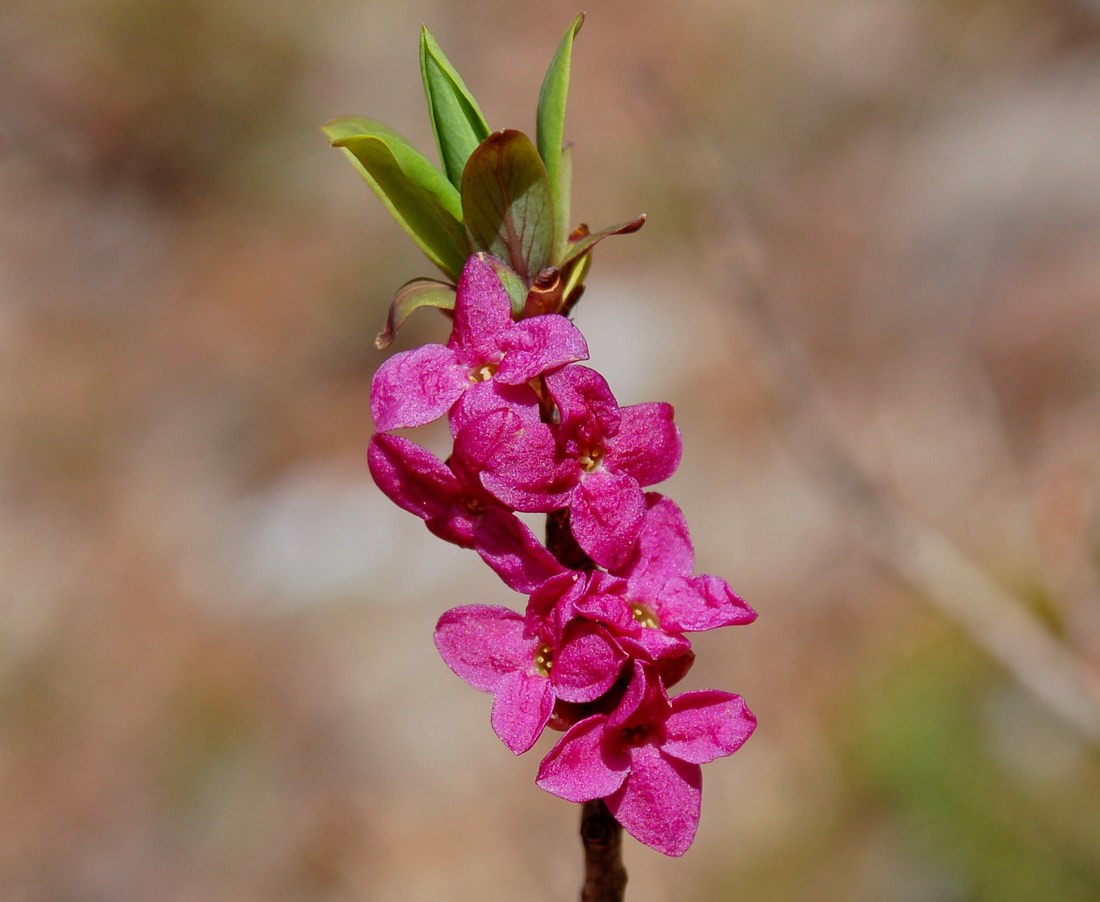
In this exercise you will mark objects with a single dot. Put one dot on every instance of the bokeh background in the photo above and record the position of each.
(870, 284)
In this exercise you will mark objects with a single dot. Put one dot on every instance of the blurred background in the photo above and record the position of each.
(870, 285)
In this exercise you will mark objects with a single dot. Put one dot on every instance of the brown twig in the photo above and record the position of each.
(602, 836)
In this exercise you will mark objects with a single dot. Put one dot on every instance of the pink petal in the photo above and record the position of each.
(537, 345)
(413, 478)
(632, 705)
(459, 526)
(492, 394)
(482, 312)
(585, 402)
(655, 645)
(551, 605)
(521, 709)
(517, 460)
(660, 801)
(706, 725)
(673, 669)
(587, 663)
(606, 514)
(492, 435)
(511, 549)
(482, 644)
(664, 550)
(645, 702)
(415, 387)
(647, 445)
(580, 767)
(701, 603)
(605, 602)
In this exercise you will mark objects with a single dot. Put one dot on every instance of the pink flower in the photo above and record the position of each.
(617, 451)
(570, 596)
(487, 352)
(489, 649)
(650, 602)
(659, 584)
(644, 759)
(515, 459)
(606, 454)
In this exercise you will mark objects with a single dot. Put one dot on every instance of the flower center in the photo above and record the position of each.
(483, 373)
(590, 458)
(474, 505)
(544, 660)
(645, 615)
(638, 735)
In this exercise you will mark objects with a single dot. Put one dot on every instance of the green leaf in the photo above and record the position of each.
(418, 196)
(575, 266)
(550, 119)
(585, 244)
(456, 118)
(507, 204)
(411, 297)
(562, 202)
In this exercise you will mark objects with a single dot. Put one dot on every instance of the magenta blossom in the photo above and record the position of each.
(487, 353)
(605, 455)
(660, 587)
(488, 648)
(644, 759)
(570, 596)
(516, 457)
(616, 451)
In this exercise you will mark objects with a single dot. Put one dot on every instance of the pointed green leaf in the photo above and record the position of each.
(578, 261)
(507, 205)
(456, 118)
(417, 194)
(589, 241)
(562, 203)
(550, 119)
(411, 297)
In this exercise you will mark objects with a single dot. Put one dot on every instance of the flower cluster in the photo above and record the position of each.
(610, 594)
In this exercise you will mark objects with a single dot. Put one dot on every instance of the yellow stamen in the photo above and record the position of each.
(590, 459)
(483, 373)
(544, 660)
(645, 615)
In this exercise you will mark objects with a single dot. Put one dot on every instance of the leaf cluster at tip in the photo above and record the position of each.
(495, 192)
